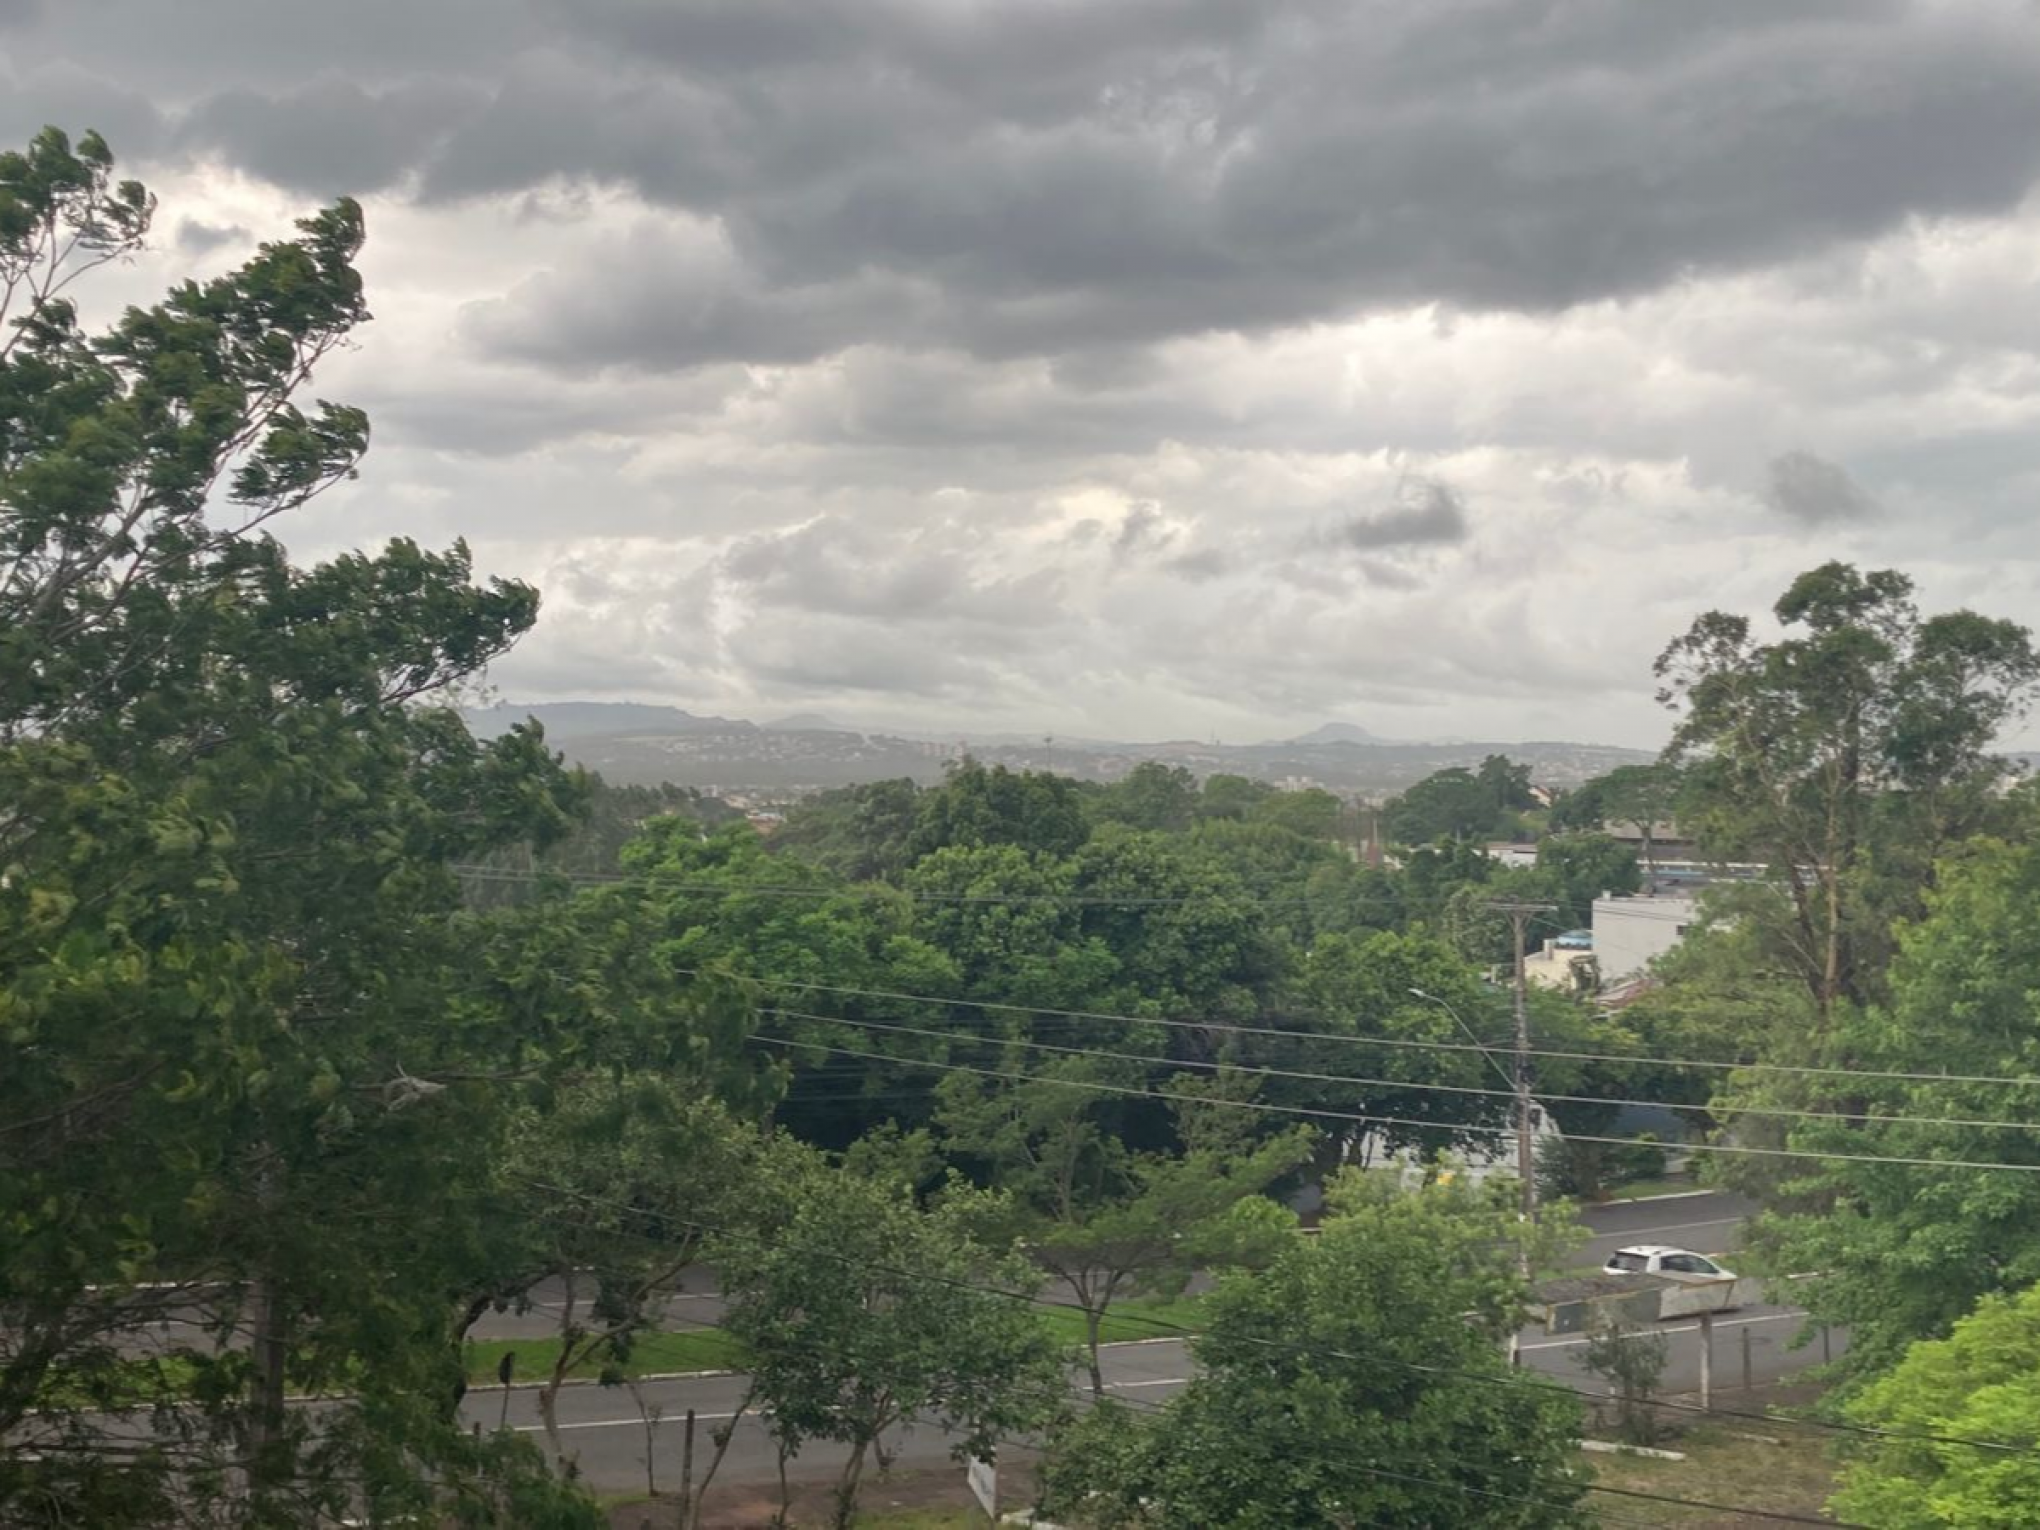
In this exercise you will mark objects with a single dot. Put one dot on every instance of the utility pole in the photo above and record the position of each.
(1519, 915)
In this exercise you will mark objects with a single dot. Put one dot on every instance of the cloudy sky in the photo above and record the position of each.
(1133, 367)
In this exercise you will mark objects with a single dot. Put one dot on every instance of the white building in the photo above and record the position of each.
(1632, 930)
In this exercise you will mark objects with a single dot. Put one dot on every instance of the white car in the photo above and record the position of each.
(1672, 1263)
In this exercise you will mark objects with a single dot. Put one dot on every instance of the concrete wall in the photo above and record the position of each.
(1629, 932)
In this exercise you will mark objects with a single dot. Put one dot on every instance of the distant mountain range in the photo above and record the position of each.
(631, 743)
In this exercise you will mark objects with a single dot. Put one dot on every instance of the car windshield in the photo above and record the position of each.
(1626, 1261)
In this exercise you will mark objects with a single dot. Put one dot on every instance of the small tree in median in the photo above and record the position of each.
(1632, 1362)
(1109, 1221)
(861, 1312)
(1359, 1381)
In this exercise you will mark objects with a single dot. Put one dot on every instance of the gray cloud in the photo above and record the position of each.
(1048, 178)
(198, 238)
(330, 137)
(1427, 513)
(1814, 492)
(1142, 529)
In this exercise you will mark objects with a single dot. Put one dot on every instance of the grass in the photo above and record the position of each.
(1645, 1189)
(1792, 1477)
(1139, 1318)
(693, 1349)
(710, 1349)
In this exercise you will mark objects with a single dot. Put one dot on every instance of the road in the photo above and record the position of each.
(603, 1429)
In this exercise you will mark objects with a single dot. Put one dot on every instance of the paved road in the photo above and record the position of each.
(602, 1428)
(1709, 1224)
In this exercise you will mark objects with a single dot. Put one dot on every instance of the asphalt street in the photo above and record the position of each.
(603, 1429)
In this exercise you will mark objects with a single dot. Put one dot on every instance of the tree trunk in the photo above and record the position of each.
(266, 1413)
(847, 1485)
(1093, 1317)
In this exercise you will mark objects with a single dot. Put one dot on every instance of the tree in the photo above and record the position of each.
(1643, 796)
(1902, 1251)
(1357, 1381)
(1108, 1220)
(860, 833)
(997, 806)
(1450, 804)
(861, 1312)
(1311, 813)
(1844, 756)
(1632, 1362)
(621, 1182)
(1153, 796)
(252, 1072)
(1578, 868)
(1982, 1382)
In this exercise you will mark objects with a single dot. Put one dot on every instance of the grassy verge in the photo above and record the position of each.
(710, 1349)
(1791, 1477)
(1647, 1189)
(1128, 1320)
(694, 1349)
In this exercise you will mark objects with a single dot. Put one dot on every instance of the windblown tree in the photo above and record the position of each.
(252, 1070)
(1846, 755)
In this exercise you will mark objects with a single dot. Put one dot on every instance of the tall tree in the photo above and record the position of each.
(249, 1070)
(1901, 1251)
(1857, 744)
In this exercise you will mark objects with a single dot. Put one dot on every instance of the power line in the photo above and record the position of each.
(1256, 1070)
(1313, 1113)
(1225, 1027)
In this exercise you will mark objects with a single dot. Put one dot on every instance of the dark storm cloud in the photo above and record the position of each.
(1066, 174)
(196, 238)
(59, 95)
(1815, 492)
(331, 137)
(1427, 514)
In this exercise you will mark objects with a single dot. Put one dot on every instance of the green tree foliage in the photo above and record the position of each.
(1844, 756)
(591, 846)
(977, 806)
(861, 833)
(1106, 1219)
(1578, 868)
(1903, 1252)
(1450, 804)
(1358, 1381)
(861, 1311)
(1644, 796)
(1231, 797)
(254, 1069)
(1982, 1382)
(1632, 1361)
(1152, 796)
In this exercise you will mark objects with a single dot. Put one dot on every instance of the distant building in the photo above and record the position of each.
(1566, 962)
(1509, 853)
(1632, 930)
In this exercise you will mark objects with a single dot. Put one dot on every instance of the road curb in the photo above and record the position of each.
(1652, 1200)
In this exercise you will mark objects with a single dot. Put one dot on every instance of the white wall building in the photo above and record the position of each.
(1632, 930)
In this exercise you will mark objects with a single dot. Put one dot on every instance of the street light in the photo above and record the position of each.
(1432, 998)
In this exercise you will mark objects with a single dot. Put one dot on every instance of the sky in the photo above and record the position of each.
(1131, 368)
